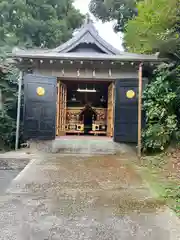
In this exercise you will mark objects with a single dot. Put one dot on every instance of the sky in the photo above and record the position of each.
(105, 29)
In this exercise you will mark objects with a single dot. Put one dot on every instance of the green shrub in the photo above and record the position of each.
(161, 104)
(8, 86)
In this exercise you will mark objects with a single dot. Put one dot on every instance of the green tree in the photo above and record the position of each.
(119, 10)
(40, 23)
(29, 23)
(161, 103)
(155, 29)
(8, 87)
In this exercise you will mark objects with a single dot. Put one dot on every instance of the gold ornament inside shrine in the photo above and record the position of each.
(85, 108)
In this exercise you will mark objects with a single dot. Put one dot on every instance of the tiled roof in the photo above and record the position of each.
(84, 56)
(88, 35)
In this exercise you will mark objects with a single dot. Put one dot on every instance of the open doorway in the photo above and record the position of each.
(85, 108)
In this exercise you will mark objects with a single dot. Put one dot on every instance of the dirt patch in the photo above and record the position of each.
(174, 162)
(110, 168)
(95, 169)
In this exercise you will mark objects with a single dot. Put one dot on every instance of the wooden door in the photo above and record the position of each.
(39, 107)
(126, 111)
(110, 111)
(61, 109)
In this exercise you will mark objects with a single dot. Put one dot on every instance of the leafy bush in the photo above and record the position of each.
(7, 129)
(8, 86)
(161, 105)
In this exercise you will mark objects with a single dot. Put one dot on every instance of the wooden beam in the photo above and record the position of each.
(140, 111)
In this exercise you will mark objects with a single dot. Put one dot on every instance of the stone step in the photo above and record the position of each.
(80, 145)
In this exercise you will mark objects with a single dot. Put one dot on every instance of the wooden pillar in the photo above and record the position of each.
(57, 109)
(140, 111)
(18, 109)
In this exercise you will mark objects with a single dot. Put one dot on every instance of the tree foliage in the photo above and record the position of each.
(155, 29)
(45, 23)
(161, 103)
(29, 23)
(119, 10)
(8, 86)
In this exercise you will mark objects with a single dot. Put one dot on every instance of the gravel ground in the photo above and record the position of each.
(76, 197)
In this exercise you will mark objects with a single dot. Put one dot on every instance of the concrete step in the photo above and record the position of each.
(81, 145)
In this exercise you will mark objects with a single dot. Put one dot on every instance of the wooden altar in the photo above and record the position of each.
(75, 125)
(70, 121)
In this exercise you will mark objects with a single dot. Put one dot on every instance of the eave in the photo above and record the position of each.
(48, 55)
(87, 35)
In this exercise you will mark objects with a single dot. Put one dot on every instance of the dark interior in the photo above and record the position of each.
(80, 99)
(87, 96)
(88, 115)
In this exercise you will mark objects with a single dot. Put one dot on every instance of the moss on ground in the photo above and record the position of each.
(163, 176)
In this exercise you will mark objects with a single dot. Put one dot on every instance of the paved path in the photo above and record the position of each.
(6, 177)
(11, 164)
(90, 198)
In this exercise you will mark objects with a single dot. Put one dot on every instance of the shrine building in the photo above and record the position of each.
(82, 87)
